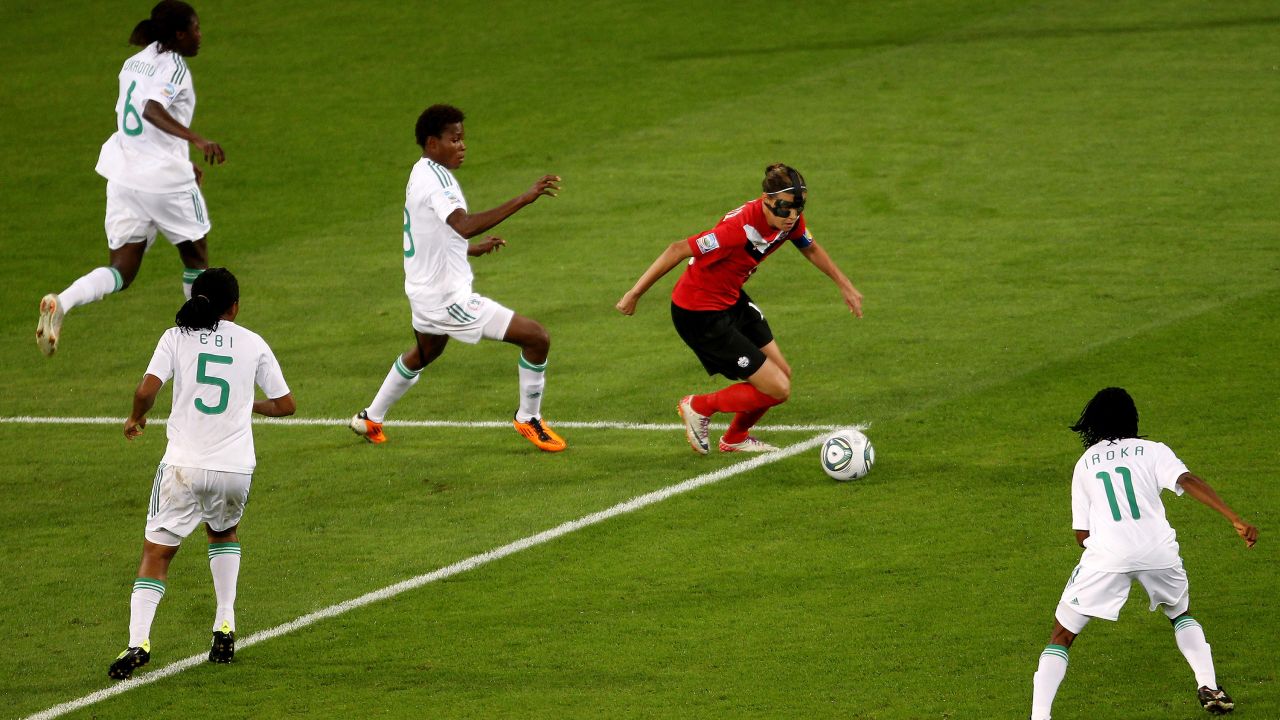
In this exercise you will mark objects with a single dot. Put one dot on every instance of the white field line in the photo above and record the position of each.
(470, 563)
(342, 422)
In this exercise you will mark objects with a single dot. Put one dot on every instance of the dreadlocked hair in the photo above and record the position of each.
(1110, 415)
(212, 295)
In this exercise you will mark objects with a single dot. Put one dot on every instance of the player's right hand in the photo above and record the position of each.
(1246, 531)
(627, 305)
(133, 427)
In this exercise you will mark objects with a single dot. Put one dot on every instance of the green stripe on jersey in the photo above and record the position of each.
(441, 173)
(531, 366)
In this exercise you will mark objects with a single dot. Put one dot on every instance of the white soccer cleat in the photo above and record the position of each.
(696, 427)
(49, 329)
(749, 444)
(367, 429)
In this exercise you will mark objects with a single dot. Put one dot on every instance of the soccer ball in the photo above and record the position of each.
(847, 455)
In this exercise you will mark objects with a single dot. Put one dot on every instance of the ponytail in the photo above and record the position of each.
(168, 18)
(144, 33)
(212, 295)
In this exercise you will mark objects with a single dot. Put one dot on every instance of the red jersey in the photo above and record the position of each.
(724, 257)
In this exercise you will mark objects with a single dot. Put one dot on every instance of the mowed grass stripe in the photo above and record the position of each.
(470, 563)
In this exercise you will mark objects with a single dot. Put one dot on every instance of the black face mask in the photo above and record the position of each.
(783, 208)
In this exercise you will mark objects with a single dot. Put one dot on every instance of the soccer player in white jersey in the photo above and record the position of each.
(1119, 521)
(437, 279)
(151, 182)
(208, 465)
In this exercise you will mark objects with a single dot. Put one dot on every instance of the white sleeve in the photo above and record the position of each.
(171, 80)
(269, 376)
(444, 200)
(162, 360)
(1079, 502)
(1168, 469)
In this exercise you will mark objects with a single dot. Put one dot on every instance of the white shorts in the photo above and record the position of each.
(469, 321)
(1101, 594)
(182, 498)
(134, 216)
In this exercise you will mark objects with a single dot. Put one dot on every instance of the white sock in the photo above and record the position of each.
(533, 378)
(189, 276)
(224, 565)
(1049, 674)
(1190, 637)
(91, 287)
(142, 610)
(398, 382)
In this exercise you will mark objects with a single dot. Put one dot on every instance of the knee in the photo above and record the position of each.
(782, 391)
(538, 340)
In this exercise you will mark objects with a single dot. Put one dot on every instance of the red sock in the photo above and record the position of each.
(742, 423)
(741, 397)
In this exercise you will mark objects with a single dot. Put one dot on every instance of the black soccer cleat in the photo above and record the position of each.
(128, 661)
(1216, 702)
(223, 647)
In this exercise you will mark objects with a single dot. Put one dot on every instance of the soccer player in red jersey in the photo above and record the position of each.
(718, 320)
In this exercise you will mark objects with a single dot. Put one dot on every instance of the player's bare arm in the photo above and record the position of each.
(155, 114)
(282, 406)
(1200, 490)
(675, 253)
(143, 400)
(821, 260)
(469, 225)
(486, 246)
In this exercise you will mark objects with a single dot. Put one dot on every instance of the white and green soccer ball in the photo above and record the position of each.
(847, 454)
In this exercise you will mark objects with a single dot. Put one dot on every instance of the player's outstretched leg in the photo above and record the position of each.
(1215, 701)
(531, 369)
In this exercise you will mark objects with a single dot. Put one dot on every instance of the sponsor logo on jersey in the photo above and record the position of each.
(707, 243)
(743, 361)
(756, 239)
(474, 304)
(451, 196)
(170, 90)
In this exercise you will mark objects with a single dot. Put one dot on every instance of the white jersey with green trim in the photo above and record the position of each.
(1115, 495)
(214, 373)
(436, 270)
(140, 155)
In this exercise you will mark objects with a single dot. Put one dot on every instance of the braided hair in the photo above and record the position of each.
(212, 295)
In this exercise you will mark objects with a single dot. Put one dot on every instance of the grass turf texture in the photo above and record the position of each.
(1038, 199)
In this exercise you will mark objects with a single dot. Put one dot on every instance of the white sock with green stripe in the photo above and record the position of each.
(1190, 637)
(91, 287)
(1053, 667)
(142, 610)
(189, 276)
(224, 565)
(398, 382)
(533, 378)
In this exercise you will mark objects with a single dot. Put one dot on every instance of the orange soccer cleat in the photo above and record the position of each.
(540, 435)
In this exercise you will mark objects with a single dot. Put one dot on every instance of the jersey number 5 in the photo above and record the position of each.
(204, 378)
(1127, 477)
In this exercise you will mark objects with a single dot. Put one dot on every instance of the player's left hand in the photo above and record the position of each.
(199, 174)
(485, 246)
(133, 427)
(853, 299)
(1246, 531)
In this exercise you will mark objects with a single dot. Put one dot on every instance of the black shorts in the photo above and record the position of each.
(726, 341)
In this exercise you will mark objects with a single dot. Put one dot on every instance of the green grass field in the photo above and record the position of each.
(1038, 199)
